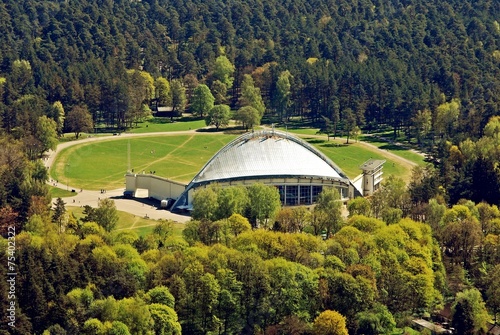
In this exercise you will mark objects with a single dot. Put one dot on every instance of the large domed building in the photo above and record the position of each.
(296, 168)
(271, 157)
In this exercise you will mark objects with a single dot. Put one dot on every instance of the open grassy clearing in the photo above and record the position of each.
(56, 192)
(397, 150)
(165, 125)
(379, 143)
(103, 164)
(127, 221)
(300, 131)
(349, 157)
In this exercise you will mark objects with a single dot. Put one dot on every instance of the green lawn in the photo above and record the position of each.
(126, 221)
(301, 131)
(56, 192)
(165, 125)
(384, 145)
(349, 157)
(103, 164)
(402, 152)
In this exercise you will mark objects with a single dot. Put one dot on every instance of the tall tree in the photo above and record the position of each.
(59, 116)
(163, 92)
(461, 233)
(264, 203)
(204, 204)
(469, 313)
(219, 90)
(59, 213)
(349, 119)
(46, 134)
(422, 123)
(202, 100)
(446, 118)
(79, 120)
(224, 70)
(251, 96)
(329, 208)
(283, 92)
(218, 116)
(178, 97)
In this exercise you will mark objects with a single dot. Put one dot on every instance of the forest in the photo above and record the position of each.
(426, 73)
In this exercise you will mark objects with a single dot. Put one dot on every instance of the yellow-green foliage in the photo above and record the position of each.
(366, 224)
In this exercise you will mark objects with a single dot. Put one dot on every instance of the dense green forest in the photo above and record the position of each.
(427, 71)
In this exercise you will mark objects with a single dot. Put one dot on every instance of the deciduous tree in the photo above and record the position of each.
(163, 92)
(264, 203)
(248, 116)
(231, 200)
(446, 118)
(461, 233)
(59, 116)
(204, 204)
(218, 116)
(329, 205)
(283, 93)
(251, 96)
(79, 120)
(224, 70)
(178, 96)
(469, 312)
(202, 100)
(330, 323)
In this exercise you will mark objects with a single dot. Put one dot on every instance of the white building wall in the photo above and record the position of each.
(158, 188)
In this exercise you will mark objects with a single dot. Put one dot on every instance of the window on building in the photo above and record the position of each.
(281, 190)
(305, 194)
(292, 195)
(315, 191)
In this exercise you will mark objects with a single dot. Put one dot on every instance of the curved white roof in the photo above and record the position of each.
(266, 154)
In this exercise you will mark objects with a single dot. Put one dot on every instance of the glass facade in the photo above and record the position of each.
(281, 190)
(292, 195)
(315, 191)
(305, 195)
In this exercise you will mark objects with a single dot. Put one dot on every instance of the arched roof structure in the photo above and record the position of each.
(265, 155)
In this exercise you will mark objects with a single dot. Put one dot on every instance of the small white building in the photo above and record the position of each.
(372, 175)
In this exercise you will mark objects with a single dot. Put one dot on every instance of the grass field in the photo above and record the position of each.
(56, 192)
(165, 125)
(103, 164)
(129, 221)
(301, 131)
(379, 143)
(349, 157)
(398, 150)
